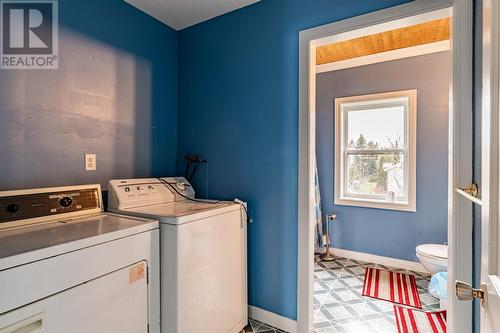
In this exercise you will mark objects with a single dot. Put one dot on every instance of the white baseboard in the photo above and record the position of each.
(386, 261)
(273, 319)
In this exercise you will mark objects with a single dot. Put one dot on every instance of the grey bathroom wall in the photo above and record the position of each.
(387, 232)
(114, 94)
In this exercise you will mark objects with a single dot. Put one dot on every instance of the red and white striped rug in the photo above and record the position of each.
(391, 286)
(412, 321)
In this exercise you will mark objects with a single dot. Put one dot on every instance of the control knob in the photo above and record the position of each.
(66, 202)
(12, 208)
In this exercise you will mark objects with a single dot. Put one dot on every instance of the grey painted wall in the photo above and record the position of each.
(114, 94)
(385, 232)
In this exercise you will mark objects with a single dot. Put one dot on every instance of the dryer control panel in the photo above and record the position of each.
(130, 193)
(45, 203)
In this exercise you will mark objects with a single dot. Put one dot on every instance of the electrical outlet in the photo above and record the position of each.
(90, 162)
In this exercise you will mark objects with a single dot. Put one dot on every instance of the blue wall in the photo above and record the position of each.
(115, 94)
(391, 233)
(238, 107)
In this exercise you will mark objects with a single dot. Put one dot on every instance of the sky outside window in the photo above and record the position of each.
(384, 126)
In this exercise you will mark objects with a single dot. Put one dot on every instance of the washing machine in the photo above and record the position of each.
(67, 266)
(203, 253)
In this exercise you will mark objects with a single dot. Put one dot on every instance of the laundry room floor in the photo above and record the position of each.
(255, 326)
(339, 306)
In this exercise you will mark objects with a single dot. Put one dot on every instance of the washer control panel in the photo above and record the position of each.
(21, 205)
(129, 193)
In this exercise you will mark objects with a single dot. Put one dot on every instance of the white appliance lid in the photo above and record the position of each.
(180, 212)
(434, 250)
(29, 238)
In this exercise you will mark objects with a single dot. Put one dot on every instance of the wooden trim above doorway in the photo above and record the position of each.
(411, 36)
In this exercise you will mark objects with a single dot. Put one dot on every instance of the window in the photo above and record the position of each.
(375, 153)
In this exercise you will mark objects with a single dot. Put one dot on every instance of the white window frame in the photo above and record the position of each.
(409, 152)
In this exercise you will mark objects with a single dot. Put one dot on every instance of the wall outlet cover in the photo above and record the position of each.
(90, 162)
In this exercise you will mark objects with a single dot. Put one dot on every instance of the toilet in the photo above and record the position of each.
(434, 257)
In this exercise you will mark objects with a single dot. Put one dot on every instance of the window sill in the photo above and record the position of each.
(372, 203)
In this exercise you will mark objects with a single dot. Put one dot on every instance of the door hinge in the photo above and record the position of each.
(465, 292)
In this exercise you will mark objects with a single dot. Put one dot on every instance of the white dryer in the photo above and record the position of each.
(66, 266)
(203, 253)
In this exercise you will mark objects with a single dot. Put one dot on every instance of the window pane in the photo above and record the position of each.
(376, 128)
(376, 176)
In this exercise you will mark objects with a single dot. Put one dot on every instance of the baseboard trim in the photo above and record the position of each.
(386, 261)
(273, 319)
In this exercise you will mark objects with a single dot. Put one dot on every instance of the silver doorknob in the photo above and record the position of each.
(465, 292)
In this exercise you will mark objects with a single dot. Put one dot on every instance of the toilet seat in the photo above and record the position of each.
(435, 251)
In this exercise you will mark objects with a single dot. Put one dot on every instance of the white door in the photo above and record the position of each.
(114, 303)
(490, 249)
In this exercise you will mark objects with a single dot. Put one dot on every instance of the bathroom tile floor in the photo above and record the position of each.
(339, 306)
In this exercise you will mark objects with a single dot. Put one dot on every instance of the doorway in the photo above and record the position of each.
(460, 215)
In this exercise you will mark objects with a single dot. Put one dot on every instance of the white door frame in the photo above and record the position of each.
(460, 150)
(490, 193)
